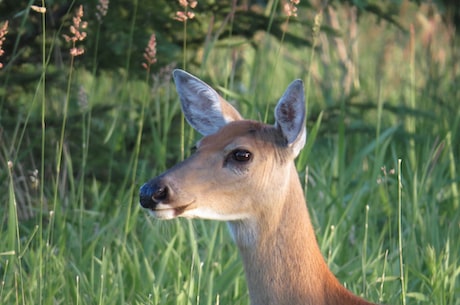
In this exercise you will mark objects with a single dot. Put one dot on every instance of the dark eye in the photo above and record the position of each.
(241, 155)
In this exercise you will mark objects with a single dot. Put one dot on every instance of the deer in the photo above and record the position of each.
(243, 172)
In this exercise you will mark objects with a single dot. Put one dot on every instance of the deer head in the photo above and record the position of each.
(236, 164)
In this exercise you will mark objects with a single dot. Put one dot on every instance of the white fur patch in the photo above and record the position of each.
(243, 232)
(165, 214)
(209, 213)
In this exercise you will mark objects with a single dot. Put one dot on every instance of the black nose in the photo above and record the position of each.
(152, 193)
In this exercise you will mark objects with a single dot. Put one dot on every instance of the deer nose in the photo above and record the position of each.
(152, 193)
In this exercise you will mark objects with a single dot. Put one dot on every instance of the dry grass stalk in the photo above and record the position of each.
(342, 51)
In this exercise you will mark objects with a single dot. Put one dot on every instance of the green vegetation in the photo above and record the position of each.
(77, 139)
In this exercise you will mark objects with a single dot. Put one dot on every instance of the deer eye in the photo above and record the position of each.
(241, 155)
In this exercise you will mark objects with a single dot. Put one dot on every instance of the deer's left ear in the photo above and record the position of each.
(290, 116)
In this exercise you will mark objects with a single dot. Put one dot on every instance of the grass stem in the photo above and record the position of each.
(400, 237)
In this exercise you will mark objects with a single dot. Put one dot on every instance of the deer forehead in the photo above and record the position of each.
(253, 134)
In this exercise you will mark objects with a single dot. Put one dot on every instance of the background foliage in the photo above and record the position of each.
(79, 135)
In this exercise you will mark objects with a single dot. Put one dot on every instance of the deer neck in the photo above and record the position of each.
(281, 257)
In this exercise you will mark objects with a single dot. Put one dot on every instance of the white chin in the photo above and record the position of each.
(163, 214)
(206, 213)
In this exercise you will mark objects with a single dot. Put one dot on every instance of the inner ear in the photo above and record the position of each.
(205, 110)
(290, 115)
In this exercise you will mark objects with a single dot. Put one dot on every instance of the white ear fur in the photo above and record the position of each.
(290, 116)
(205, 110)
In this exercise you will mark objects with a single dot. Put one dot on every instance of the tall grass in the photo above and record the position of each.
(379, 169)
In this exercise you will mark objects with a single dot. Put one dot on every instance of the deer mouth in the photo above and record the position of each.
(169, 212)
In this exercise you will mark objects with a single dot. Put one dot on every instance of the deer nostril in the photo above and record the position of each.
(161, 194)
(152, 193)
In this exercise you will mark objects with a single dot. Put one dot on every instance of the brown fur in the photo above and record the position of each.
(259, 196)
(281, 257)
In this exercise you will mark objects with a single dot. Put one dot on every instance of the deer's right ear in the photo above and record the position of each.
(205, 110)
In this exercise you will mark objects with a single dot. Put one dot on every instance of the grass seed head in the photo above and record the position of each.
(3, 32)
(290, 8)
(38, 9)
(183, 16)
(102, 8)
(186, 3)
(150, 54)
(78, 34)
